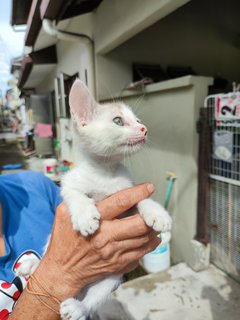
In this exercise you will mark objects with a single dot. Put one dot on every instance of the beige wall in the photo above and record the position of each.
(75, 54)
(170, 113)
(189, 36)
(193, 35)
(117, 21)
(110, 25)
(73, 57)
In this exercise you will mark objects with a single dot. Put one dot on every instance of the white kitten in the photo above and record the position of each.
(107, 133)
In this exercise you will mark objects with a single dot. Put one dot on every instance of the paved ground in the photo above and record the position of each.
(179, 293)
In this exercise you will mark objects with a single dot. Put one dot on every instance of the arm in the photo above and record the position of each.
(72, 261)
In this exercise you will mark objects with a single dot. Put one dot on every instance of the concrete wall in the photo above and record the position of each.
(113, 23)
(170, 111)
(129, 31)
(75, 54)
(117, 21)
(200, 34)
(190, 36)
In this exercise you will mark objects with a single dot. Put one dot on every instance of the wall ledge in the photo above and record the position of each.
(172, 84)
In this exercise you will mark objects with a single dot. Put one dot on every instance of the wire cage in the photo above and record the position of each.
(224, 181)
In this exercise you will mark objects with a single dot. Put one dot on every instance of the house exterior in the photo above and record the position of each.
(192, 45)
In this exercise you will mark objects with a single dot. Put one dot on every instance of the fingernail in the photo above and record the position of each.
(150, 187)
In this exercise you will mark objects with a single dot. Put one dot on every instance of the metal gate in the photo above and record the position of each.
(223, 205)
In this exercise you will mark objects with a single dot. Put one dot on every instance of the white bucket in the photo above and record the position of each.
(159, 259)
(50, 168)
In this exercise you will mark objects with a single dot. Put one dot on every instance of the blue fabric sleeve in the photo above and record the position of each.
(51, 189)
(34, 181)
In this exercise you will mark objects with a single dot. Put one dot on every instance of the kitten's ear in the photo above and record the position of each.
(81, 102)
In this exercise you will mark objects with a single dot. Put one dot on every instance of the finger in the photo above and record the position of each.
(125, 235)
(130, 267)
(129, 228)
(121, 201)
(138, 253)
(62, 217)
(135, 243)
(130, 257)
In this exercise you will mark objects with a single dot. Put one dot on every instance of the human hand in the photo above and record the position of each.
(73, 261)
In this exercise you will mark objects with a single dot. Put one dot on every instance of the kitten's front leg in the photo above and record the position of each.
(84, 214)
(154, 215)
(27, 267)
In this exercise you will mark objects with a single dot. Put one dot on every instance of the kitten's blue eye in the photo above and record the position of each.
(118, 121)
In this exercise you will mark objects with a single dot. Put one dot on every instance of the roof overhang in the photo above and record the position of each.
(38, 73)
(36, 66)
(20, 11)
(32, 12)
(34, 24)
(57, 10)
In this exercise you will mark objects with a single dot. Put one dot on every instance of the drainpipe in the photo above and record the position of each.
(50, 28)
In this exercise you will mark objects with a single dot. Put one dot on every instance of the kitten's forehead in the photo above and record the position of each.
(120, 109)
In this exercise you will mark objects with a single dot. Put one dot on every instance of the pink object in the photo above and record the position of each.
(43, 130)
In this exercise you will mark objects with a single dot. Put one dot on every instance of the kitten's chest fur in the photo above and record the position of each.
(98, 182)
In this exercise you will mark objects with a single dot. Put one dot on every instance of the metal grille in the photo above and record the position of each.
(224, 188)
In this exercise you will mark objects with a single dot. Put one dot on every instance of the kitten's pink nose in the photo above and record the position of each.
(144, 130)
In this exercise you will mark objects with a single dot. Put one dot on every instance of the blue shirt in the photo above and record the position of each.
(29, 200)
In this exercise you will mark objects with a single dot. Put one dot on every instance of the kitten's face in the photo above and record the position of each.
(114, 130)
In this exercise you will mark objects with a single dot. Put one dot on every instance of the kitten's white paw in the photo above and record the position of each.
(159, 222)
(27, 268)
(87, 222)
(155, 216)
(72, 309)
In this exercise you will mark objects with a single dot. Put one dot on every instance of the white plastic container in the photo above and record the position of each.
(159, 259)
(50, 168)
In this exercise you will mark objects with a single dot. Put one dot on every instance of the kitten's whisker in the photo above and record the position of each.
(108, 91)
(129, 164)
(152, 143)
(125, 156)
(136, 106)
(138, 102)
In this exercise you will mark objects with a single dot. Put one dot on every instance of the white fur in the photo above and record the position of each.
(74, 309)
(27, 267)
(102, 145)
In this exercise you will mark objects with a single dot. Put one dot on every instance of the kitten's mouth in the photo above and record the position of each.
(133, 143)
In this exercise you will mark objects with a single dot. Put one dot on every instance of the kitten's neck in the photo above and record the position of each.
(100, 162)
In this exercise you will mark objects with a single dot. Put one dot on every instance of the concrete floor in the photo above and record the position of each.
(179, 293)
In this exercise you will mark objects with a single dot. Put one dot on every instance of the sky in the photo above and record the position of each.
(11, 43)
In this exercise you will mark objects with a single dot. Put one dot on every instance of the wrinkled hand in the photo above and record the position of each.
(73, 261)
